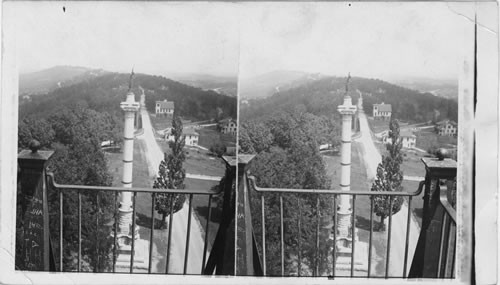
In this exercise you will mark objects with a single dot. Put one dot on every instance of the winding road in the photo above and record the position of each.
(399, 220)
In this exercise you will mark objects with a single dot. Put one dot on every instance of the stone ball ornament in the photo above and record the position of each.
(34, 145)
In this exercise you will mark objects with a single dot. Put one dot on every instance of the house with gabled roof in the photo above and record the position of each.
(382, 111)
(408, 139)
(190, 135)
(228, 126)
(447, 128)
(165, 107)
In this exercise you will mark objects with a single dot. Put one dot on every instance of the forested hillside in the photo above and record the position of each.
(104, 94)
(321, 97)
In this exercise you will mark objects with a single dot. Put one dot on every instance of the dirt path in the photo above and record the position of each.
(154, 156)
(399, 221)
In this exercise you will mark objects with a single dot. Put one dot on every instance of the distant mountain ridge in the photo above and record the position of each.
(322, 97)
(46, 80)
(227, 85)
(447, 88)
(267, 84)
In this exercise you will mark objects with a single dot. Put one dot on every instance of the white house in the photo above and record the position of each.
(447, 128)
(191, 136)
(409, 140)
(165, 107)
(228, 126)
(382, 111)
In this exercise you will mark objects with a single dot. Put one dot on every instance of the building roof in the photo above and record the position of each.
(226, 121)
(406, 133)
(444, 122)
(166, 104)
(189, 132)
(383, 107)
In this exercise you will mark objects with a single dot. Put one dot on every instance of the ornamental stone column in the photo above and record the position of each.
(130, 107)
(344, 207)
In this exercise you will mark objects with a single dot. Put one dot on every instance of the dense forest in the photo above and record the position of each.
(75, 135)
(287, 156)
(322, 97)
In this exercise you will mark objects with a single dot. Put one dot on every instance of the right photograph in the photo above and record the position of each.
(348, 139)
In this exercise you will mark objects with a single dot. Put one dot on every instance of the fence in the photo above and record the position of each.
(235, 250)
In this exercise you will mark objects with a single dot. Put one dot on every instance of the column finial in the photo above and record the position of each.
(347, 84)
(131, 79)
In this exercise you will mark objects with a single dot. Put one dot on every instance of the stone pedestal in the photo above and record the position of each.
(141, 257)
(124, 252)
(344, 255)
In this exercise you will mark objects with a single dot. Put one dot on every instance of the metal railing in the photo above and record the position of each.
(448, 238)
(334, 194)
(97, 192)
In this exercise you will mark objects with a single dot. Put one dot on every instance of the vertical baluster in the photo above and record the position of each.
(132, 253)
(407, 243)
(170, 218)
(79, 268)
(96, 266)
(61, 230)
(454, 254)
(389, 239)
(186, 254)
(370, 244)
(263, 224)
(151, 236)
(206, 233)
(316, 256)
(334, 250)
(282, 240)
(115, 226)
(448, 232)
(441, 242)
(353, 234)
(299, 237)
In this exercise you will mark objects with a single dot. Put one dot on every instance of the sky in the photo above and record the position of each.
(156, 38)
(370, 39)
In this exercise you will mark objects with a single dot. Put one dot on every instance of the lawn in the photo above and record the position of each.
(200, 206)
(427, 139)
(412, 164)
(198, 161)
(160, 122)
(378, 126)
(210, 136)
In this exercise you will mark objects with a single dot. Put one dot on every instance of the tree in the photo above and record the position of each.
(254, 137)
(287, 156)
(35, 128)
(218, 149)
(389, 176)
(171, 174)
(74, 134)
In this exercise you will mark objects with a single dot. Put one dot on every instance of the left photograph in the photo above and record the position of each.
(127, 127)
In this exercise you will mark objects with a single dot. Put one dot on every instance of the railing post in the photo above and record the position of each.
(247, 261)
(425, 260)
(35, 247)
(221, 259)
